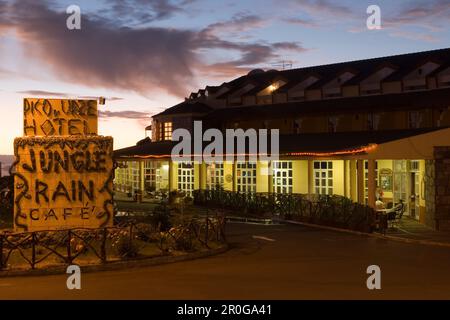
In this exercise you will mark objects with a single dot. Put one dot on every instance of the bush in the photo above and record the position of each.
(160, 218)
(125, 247)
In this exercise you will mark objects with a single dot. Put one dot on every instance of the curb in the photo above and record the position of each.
(119, 265)
(252, 220)
(372, 235)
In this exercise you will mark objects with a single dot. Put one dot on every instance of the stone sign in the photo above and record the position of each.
(51, 117)
(62, 181)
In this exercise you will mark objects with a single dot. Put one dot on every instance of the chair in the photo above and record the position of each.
(399, 213)
(395, 214)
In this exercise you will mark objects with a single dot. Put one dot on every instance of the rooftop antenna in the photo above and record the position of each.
(283, 64)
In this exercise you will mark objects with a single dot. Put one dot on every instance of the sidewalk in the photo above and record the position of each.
(411, 229)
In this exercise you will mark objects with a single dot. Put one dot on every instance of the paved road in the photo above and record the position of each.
(301, 263)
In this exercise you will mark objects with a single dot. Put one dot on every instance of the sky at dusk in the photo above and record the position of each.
(147, 55)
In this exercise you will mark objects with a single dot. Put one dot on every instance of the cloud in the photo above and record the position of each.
(144, 60)
(137, 12)
(100, 55)
(302, 22)
(44, 93)
(324, 8)
(241, 22)
(414, 36)
(429, 15)
(96, 98)
(127, 114)
(34, 93)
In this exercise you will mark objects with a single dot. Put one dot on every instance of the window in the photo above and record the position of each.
(150, 168)
(186, 177)
(415, 119)
(373, 120)
(246, 176)
(323, 177)
(282, 176)
(214, 176)
(332, 124)
(167, 130)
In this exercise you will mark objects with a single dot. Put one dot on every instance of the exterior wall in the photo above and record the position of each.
(313, 94)
(313, 124)
(430, 193)
(392, 87)
(442, 187)
(173, 176)
(393, 120)
(228, 172)
(350, 91)
(300, 174)
(279, 97)
(262, 176)
(338, 177)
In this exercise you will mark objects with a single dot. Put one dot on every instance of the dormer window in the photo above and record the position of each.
(333, 88)
(297, 93)
(372, 84)
(416, 79)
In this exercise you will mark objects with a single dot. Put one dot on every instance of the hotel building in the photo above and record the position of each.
(361, 129)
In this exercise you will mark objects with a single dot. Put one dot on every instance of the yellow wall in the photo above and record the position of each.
(338, 177)
(300, 176)
(262, 176)
(228, 171)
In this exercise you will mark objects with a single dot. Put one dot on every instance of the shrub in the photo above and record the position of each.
(125, 247)
(160, 218)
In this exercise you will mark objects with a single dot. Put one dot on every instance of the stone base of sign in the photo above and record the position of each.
(63, 182)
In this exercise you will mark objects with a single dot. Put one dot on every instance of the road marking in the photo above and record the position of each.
(263, 238)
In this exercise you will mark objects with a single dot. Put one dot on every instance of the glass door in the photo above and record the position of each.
(400, 183)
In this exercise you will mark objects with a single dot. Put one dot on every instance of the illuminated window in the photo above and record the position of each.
(282, 176)
(323, 177)
(167, 130)
(186, 177)
(214, 176)
(246, 176)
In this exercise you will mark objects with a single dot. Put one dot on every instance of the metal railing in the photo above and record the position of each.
(67, 246)
(333, 210)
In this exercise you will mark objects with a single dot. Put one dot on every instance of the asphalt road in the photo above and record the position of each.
(266, 262)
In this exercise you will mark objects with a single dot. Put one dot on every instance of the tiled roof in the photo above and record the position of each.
(186, 107)
(415, 99)
(306, 142)
(403, 64)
